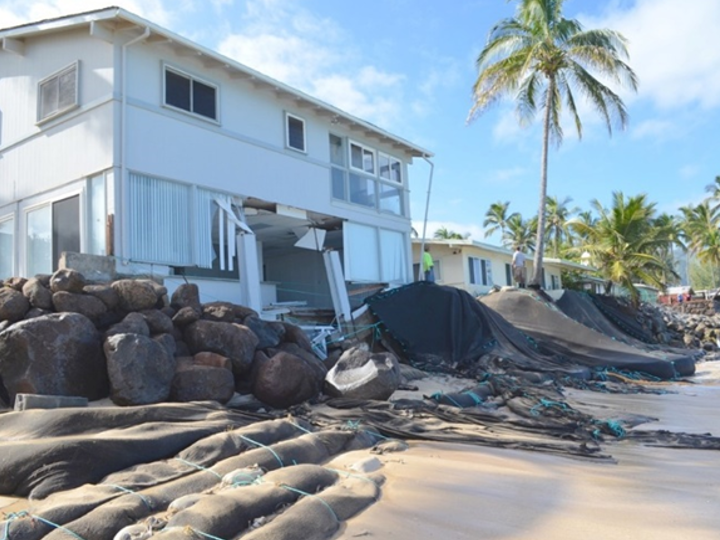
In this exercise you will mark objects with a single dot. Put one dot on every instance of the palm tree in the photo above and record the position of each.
(519, 232)
(444, 234)
(623, 243)
(557, 218)
(497, 217)
(538, 57)
(700, 225)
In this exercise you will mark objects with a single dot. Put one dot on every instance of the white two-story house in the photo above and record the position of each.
(120, 138)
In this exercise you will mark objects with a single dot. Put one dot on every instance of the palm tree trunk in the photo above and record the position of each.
(536, 280)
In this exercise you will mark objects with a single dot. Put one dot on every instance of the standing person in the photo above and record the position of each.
(518, 267)
(428, 266)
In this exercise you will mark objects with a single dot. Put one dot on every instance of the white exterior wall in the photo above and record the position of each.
(244, 153)
(38, 157)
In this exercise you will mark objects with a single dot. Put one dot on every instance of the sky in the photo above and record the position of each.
(408, 66)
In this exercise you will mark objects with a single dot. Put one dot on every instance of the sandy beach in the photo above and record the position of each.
(438, 490)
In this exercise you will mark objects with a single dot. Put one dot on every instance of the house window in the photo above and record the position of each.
(295, 132)
(52, 229)
(554, 281)
(362, 158)
(390, 168)
(362, 182)
(7, 233)
(480, 271)
(187, 93)
(58, 93)
(508, 274)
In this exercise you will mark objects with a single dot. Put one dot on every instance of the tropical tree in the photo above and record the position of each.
(700, 225)
(496, 218)
(557, 218)
(520, 233)
(539, 57)
(624, 242)
(443, 233)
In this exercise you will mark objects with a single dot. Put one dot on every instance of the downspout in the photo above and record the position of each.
(122, 184)
(421, 274)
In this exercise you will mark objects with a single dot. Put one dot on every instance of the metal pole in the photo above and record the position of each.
(421, 274)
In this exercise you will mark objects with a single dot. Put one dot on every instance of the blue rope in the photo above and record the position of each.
(206, 535)
(301, 428)
(350, 475)
(437, 396)
(23, 513)
(198, 467)
(547, 403)
(131, 492)
(261, 445)
(474, 397)
(304, 493)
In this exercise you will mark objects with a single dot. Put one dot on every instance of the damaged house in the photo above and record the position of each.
(121, 139)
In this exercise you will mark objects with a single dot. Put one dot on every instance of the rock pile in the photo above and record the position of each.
(60, 335)
(699, 329)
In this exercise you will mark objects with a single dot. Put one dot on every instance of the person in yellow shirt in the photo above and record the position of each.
(428, 266)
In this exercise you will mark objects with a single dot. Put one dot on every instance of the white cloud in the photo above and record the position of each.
(315, 55)
(657, 129)
(14, 12)
(688, 171)
(671, 50)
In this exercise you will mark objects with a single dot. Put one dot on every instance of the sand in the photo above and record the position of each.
(437, 490)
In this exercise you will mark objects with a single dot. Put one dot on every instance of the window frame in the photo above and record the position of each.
(59, 111)
(290, 116)
(483, 271)
(364, 149)
(391, 159)
(192, 78)
(10, 218)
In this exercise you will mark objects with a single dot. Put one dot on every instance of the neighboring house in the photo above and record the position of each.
(476, 267)
(120, 138)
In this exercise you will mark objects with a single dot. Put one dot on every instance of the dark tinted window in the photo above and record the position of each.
(296, 133)
(177, 90)
(204, 100)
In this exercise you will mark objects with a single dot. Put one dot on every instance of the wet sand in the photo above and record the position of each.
(442, 491)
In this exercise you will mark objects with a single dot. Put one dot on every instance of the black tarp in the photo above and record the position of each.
(436, 325)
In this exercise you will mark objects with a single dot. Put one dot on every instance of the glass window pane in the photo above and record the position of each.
(48, 98)
(177, 90)
(391, 199)
(204, 100)
(339, 187)
(384, 164)
(39, 247)
(66, 85)
(361, 250)
(65, 228)
(296, 133)
(7, 230)
(337, 155)
(96, 216)
(356, 156)
(368, 161)
(395, 170)
(362, 190)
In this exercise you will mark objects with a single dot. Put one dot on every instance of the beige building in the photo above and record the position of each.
(476, 266)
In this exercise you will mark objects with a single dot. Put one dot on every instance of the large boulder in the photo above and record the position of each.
(85, 304)
(140, 369)
(158, 322)
(235, 341)
(135, 295)
(186, 295)
(295, 334)
(105, 293)
(67, 280)
(194, 382)
(269, 333)
(360, 374)
(133, 323)
(284, 380)
(57, 354)
(37, 294)
(13, 304)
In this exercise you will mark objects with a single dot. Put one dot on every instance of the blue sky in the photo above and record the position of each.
(408, 66)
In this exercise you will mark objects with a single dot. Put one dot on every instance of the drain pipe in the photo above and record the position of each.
(121, 187)
(421, 274)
